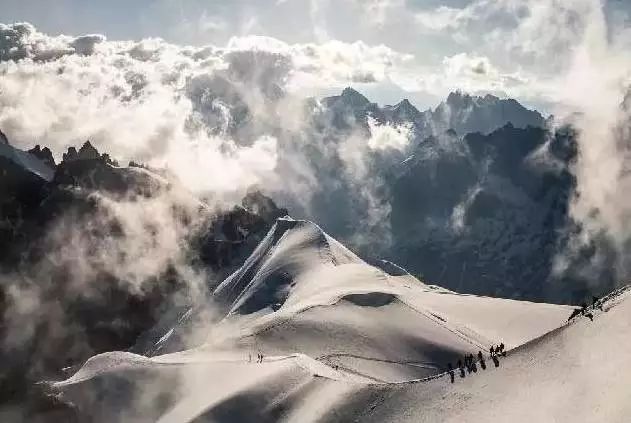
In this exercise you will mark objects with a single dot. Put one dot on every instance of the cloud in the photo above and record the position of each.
(591, 87)
(171, 105)
(384, 137)
(445, 17)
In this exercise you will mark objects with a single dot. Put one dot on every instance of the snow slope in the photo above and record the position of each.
(27, 161)
(335, 333)
(576, 373)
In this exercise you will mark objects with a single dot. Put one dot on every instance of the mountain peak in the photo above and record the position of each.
(3, 138)
(44, 154)
(404, 110)
(88, 152)
(466, 113)
(458, 98)
(354, 97)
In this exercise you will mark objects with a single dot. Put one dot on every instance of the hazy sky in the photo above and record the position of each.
(516, 47)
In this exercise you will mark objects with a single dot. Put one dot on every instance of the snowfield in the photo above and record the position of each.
(346, 341)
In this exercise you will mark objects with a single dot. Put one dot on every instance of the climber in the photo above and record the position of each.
(451, 372)
(481, 360)
(492, 351)
(502, 350)
(583, 308)
(462, 374)
(596, 303)
(496, 361)
(575, 313)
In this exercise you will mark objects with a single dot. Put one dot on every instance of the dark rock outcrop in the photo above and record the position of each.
(44, 154)
(3, 138)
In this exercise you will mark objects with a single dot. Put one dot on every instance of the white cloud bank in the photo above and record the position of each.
(171, 105)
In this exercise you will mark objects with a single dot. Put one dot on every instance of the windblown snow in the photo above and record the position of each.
(346, 341)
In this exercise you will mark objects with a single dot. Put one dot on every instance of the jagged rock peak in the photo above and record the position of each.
(3, 138)
(70, 155)
(354, 97)
(258, 203)
(405, 103)
(405, 109)
(44, 154)
(88, 152)
(458, 98)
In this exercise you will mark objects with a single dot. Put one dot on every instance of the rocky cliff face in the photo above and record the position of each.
(490, 215)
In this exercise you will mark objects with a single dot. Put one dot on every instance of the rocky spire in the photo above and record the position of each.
(88, 152)
(70, 155)
(44, 154)
(4, 139)
(353, 97)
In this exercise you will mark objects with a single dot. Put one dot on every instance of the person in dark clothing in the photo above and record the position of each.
(590, 315)
(496, 361)
(596, 303)
(451, 372)
(575, 313)
(462, 374)
(467, 363)
(481, 360)
(472, 364)
(583, 308)
(492, 351)
(502, 350)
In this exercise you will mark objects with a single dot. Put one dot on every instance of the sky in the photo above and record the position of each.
(514, 48)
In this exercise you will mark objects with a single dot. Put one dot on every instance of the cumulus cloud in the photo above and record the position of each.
(445, 17)
(592, 87)
(384, 137)
(166, 104)
(472, 73)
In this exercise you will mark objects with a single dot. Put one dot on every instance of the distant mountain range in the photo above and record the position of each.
(477, 201)
(460, 112)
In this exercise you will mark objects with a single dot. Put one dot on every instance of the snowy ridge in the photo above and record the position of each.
(291, 248)
(332, 330)
(296, 380)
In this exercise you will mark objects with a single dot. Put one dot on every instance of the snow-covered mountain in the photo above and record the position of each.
(465, 114)
(460, 112)
(345, 341)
